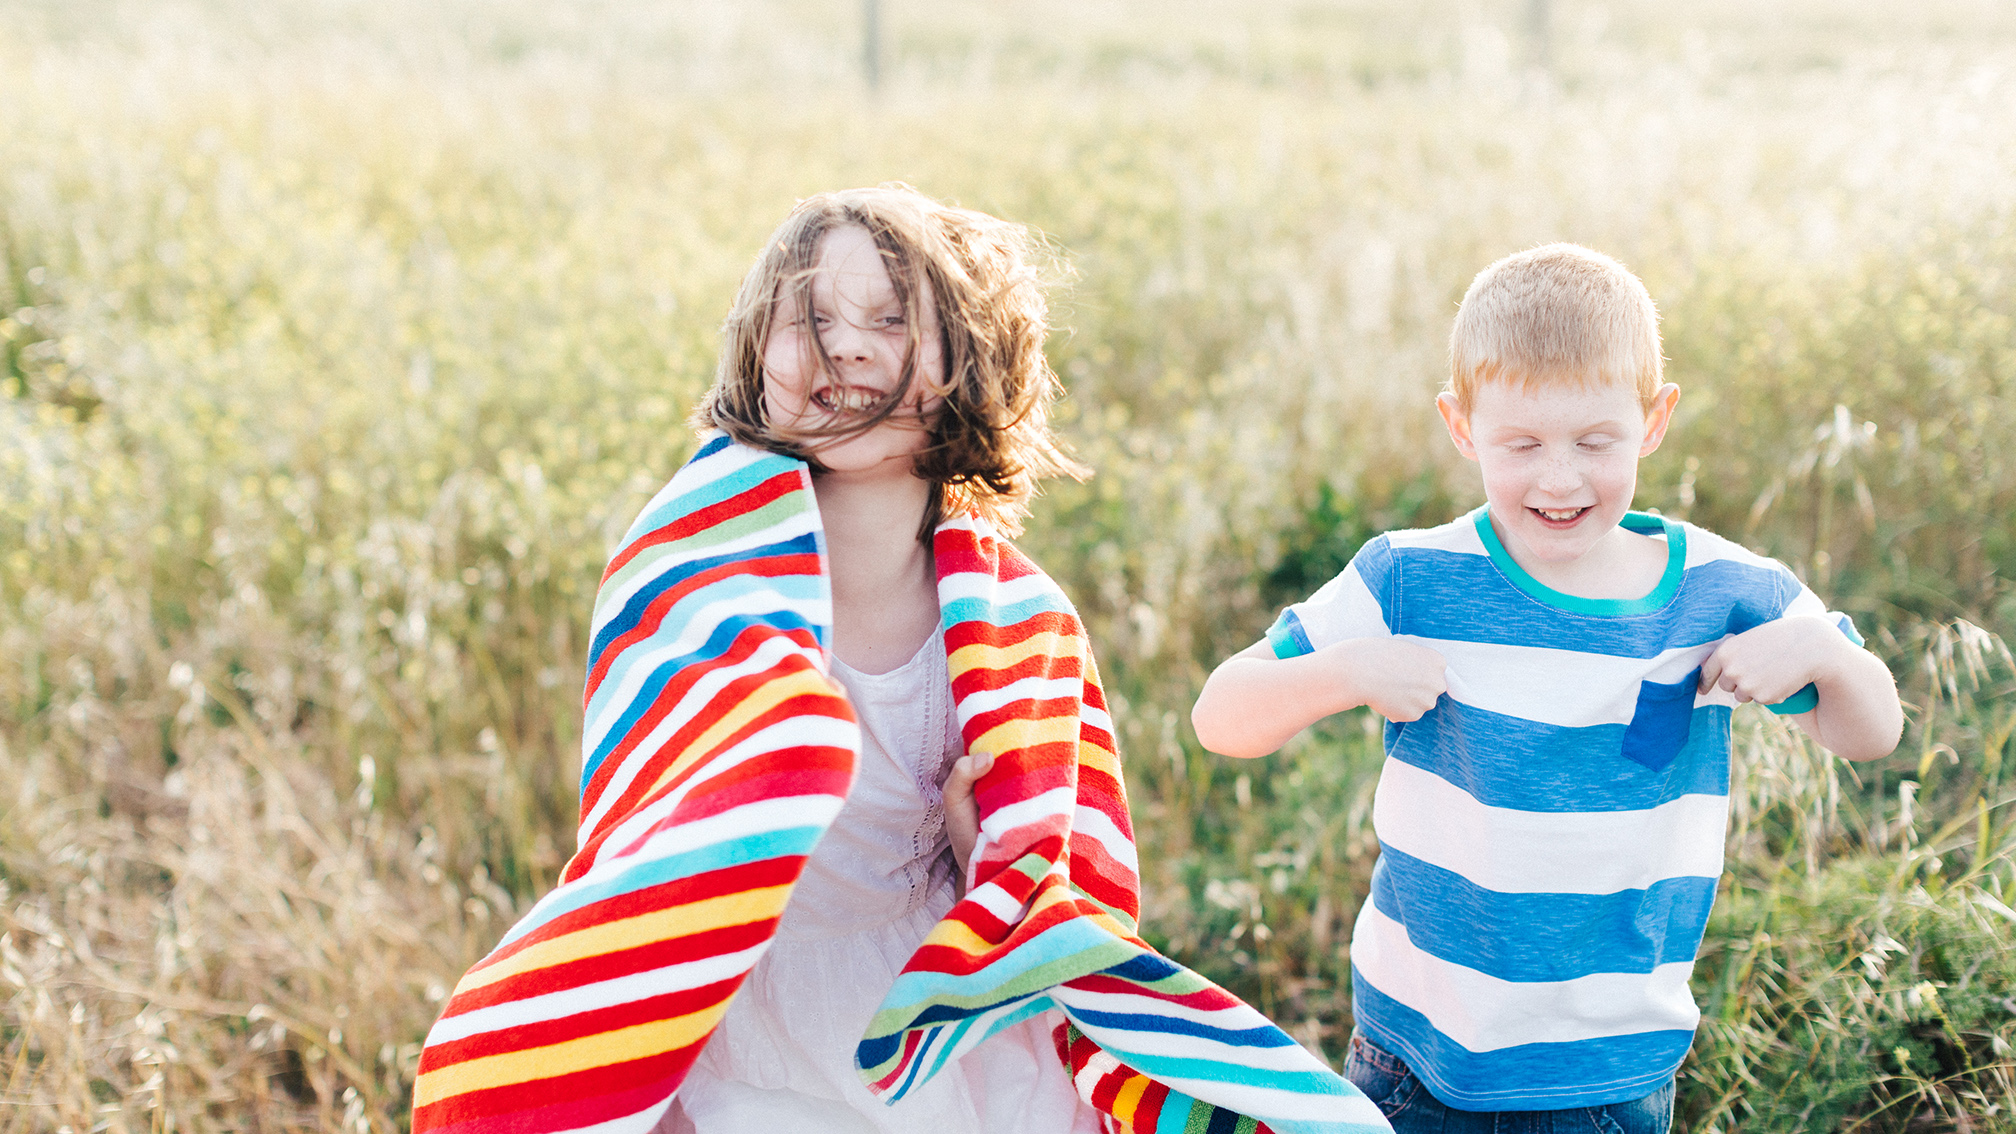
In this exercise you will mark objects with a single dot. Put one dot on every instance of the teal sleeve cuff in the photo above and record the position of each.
(1287, 638)
(1800, 702)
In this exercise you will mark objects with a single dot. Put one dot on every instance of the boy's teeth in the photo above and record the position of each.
(1564, 514)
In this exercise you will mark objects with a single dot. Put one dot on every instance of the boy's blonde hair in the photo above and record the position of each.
(1559, 314)
(991, 441)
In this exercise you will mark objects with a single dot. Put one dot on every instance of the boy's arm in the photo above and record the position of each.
(1858, 717)
(1254, 702)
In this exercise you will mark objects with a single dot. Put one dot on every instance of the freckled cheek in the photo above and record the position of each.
(1507, 486)
(1616, 479)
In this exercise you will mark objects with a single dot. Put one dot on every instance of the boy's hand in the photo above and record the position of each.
(1770, 663)
(1254, 702)
(1857, 717)
(1400, 680)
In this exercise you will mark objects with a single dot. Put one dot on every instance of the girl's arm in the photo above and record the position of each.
(1254, 702)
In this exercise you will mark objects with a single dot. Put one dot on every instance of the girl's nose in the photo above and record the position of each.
(845, 342)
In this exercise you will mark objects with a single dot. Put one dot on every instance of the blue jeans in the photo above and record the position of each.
(1406, 1103)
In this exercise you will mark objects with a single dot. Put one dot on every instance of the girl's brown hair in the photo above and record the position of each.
(991, 441)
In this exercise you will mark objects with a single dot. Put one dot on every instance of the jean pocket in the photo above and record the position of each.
(1660, 722)
(1652, 1114)
(1384, 1078)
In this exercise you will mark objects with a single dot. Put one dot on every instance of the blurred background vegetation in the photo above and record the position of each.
(339, 340)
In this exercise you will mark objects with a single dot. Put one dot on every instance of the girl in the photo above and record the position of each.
(814, 630)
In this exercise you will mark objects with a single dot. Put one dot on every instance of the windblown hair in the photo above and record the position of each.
(991, 441)
(1559, 314)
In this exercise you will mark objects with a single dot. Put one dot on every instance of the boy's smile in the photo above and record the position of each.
(1563, 517)
(1560, 465)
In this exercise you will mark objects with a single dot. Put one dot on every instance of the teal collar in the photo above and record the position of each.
(1644, 523)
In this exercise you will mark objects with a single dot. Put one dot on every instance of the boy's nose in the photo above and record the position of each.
(1559, 476)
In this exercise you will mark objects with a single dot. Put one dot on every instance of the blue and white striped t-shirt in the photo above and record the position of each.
(1550, 832)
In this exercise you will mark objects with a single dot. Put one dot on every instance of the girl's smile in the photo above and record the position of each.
(845, 399)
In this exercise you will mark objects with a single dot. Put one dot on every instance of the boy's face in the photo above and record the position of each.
(1560, 463)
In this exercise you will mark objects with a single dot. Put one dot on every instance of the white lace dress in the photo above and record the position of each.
(782, 1061)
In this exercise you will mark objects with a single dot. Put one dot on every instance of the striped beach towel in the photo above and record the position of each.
(717, 751)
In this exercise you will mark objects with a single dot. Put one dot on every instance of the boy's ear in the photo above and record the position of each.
(1658, 416)
(1458, 423)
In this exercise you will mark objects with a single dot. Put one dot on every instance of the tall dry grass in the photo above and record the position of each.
(341, 340)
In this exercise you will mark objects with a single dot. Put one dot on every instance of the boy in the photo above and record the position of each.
(1558, 674)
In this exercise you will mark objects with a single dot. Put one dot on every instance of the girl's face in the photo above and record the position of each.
(862, 330)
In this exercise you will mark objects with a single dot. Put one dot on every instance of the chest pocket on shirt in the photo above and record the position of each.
(1658, 729)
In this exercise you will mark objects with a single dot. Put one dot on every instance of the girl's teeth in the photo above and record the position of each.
(1567, 515)
(846, 401)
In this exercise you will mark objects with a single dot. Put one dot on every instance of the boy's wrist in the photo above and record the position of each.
(1349, 688)
(1818, 655)
(1834, 658)
(1846, 664)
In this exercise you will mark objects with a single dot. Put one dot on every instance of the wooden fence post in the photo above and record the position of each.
(1539, 32)
(871, 43)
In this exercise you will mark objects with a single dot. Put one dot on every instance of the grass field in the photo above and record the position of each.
(340, 339)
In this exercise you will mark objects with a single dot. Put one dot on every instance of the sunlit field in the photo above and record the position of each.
(340, 339)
